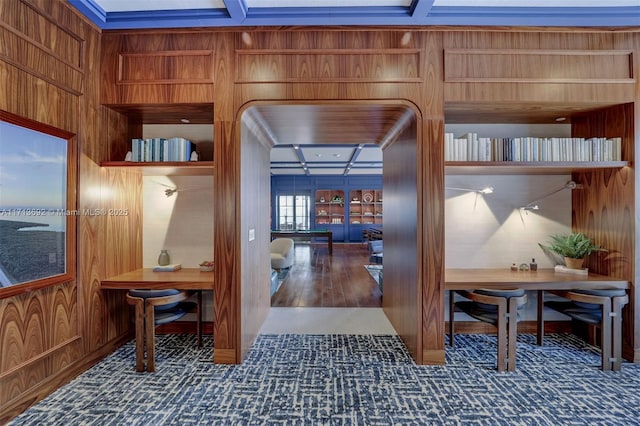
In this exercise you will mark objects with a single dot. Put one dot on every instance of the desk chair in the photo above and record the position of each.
(601, 308)
(497, 307)
(155, 307)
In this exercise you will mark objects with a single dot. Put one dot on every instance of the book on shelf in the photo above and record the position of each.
(167, 268)
(470, 147)
(161, 150)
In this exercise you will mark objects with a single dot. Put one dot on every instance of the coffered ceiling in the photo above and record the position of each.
(128, 14)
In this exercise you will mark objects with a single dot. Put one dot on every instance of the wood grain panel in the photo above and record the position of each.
(227, 246)
(403, 239)
(167, 67)
(575, 89)
(53, 55)
(163, 68)
(55, 106)
(604, 209)
(334, 65)
(431, 206)
(542, 66)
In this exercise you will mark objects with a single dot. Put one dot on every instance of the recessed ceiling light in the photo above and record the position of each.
(336, 155)
(318, 155)
(185, 120)
(561, 118)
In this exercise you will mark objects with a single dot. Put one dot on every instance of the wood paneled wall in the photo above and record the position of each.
(604, 208)
(49, 72)
(57, 69)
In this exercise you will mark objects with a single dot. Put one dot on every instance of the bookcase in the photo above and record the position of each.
(365, 207)
(329, 204)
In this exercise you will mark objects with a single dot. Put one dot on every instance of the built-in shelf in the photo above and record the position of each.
(173, 168)
(527, 168)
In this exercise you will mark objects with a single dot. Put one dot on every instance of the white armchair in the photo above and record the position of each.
(281, 253)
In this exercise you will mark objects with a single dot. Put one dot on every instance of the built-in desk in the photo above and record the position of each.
(182, 279)
(541, 280)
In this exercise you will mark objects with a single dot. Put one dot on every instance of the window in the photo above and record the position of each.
(37, 205)
(293, 212)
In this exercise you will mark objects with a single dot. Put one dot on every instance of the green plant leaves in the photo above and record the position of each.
(575, 245)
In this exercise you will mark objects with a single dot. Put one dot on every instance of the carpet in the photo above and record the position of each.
(348, 380)
(374, 271)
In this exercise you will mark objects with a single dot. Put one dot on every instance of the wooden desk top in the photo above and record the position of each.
(542, 279)
(184, 279)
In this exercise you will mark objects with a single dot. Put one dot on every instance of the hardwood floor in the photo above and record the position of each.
(319, 280)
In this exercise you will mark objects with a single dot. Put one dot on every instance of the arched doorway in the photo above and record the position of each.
(391, 125)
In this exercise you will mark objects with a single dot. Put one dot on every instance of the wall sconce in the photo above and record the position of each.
(487, 190)
(170, 191)
(533, 205)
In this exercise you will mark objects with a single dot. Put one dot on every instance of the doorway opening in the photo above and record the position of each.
(334, 280)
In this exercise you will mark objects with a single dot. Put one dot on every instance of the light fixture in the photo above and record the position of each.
(533, 205)
(185, 120)
(170, 191)
(487, 190)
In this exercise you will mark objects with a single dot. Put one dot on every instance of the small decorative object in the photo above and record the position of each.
(573, 248)
(533, 265)
(163, 259)
(194, 156)
(129, 156)
(514, 267)
(322, 199)
(523, 267)
(337, 199)
(206, 266)
(367, 198)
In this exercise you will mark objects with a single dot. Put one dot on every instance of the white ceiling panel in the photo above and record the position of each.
(330, 153)
(536, 3)
(287, 154)
(140, 5)
(317, 172)
(370, 154)
(327, 3)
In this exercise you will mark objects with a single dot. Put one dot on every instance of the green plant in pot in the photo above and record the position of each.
(572, 247)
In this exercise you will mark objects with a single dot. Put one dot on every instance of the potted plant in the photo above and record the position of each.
(572, 247)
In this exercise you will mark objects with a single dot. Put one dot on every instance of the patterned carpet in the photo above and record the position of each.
(348, 380)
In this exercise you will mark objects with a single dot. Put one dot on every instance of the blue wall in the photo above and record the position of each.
(289, 184)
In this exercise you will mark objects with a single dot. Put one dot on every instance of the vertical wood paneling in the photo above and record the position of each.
(226, 211)
(402, 225)
(431, 199)
(48, 335)
(604, 209)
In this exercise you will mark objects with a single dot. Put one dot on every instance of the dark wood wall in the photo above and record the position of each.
(49, 72)
(57, 69)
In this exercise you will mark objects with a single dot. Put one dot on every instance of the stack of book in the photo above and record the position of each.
(159, 149)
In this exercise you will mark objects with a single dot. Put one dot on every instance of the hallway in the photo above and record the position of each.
(322, 281)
